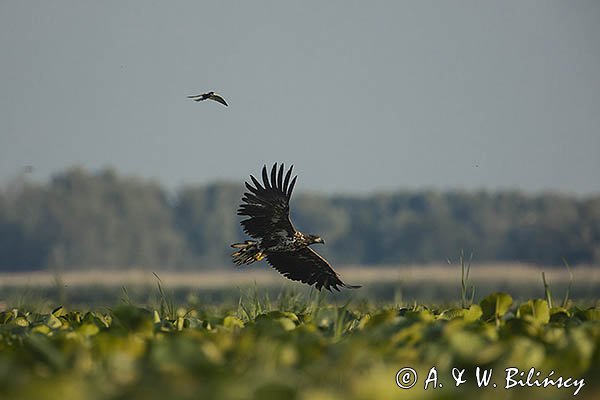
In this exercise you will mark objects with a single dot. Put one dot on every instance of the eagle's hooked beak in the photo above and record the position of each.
(319, 240)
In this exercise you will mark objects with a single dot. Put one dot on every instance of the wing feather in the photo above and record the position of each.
(287, 179)
(267, 205)
(265, 178)
(280, 178)
(256, 183)
(250, 198)
(274, 176)
(289, 191)
(307, 266)
(251, 188)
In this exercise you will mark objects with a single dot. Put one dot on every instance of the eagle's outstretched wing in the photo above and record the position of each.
(307, 266)
(268, 205)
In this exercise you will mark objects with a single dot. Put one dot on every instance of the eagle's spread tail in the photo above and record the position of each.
(248, 252)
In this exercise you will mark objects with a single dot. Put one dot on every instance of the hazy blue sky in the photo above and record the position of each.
(360, 96)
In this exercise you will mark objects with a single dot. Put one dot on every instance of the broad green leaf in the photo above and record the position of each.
(287, 324)
(43, 329)
(280, 314)
(495, 305)
(52, 322)
(555, 310)
(231, 322)
(88, 329)
(592, 314)
(381, 318)
(452, 313)
(423, 315)
(59, 311)
(269, 324)
(523, 353)
(536, 311)
(133, 318)
(559, 315)
(473, 313)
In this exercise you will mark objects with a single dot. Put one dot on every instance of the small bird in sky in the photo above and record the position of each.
(209, 96)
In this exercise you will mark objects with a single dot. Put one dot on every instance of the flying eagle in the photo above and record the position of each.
(209, 96)
(286, 249)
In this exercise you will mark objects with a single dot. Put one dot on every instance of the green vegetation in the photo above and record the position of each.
(87, 220)
(304, 345)
(296, 346)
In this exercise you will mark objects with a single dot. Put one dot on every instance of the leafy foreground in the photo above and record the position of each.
(301, 350)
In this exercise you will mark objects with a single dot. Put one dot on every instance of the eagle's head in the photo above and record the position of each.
(315, 239)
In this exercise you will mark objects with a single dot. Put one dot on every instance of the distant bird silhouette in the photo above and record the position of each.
(209, 96)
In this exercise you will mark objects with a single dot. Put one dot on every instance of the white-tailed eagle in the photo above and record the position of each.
(286, 249)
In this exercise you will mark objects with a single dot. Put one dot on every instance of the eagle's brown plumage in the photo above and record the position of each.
(267, 207)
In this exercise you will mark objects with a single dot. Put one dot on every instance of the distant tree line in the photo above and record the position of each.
(84, 220)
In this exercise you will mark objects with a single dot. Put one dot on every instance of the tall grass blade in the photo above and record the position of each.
(547, 290)
(568, 292)
(465, 268)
